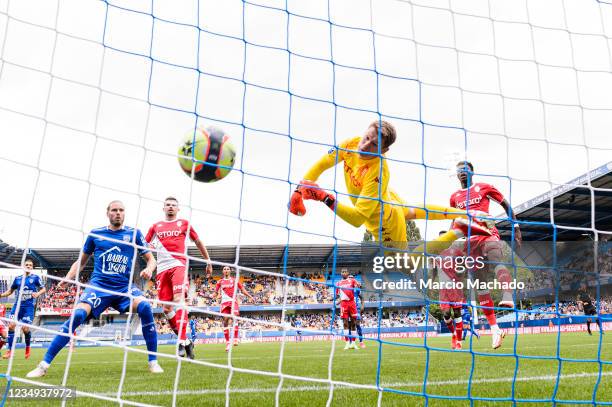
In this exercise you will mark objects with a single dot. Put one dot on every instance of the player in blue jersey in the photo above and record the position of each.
(32, 289)
(360, 307)
(468, 324)
(298, 329)
(193, 326)
(112, 248)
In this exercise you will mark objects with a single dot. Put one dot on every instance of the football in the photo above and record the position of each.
(208, 153)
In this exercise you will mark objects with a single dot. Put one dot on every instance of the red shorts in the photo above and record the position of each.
(447, 306)
(348, 308)
(226, 308)
(480, 245)
(451, 303)
(451, 295)
(170, 282)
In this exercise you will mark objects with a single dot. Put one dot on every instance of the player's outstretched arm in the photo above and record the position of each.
(147, 272)
(39, 292)
(367, 203)
(204, 253)
(333, 157)
(7, 293)
(517, 231)
(296, 203)
(245, 292)
(76, 267)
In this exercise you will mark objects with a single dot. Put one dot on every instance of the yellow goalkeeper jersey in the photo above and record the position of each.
(363, 179)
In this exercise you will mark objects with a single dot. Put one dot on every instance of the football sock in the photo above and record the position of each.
(78, 317)
(450, 325)
(485, 300)
(148, 328)
(9, 340)
(459, 328)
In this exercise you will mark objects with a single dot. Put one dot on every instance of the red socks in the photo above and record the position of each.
(459, 328)
(179, 321)
(226, 333)
(486, 301)
(450, 325)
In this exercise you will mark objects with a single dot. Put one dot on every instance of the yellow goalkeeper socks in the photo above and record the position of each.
(437, 212)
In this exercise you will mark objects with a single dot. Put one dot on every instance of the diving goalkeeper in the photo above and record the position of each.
(367, 182)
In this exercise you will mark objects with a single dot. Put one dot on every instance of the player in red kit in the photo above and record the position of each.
(476, 197)
(229, 303)
(451, 297)
(348, 307)
(3, 326)
(168, 238)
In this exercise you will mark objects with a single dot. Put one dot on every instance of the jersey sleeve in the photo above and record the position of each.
(452, 202)
(141, 242)
(90, 245)
(333, 157)
(150, 234)
(38, 283)
(218, 286)
(14, 286)
(493, 193)
(239, 285)
(193, 235)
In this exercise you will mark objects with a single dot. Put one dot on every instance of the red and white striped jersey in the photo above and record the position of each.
(346, 289)
(479, 194)
(226, 285)
(168, 238)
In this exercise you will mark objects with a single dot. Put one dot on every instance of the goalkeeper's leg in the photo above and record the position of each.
(435, 212)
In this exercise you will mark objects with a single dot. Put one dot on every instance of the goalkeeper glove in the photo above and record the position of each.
(310, 190)
(296, 203)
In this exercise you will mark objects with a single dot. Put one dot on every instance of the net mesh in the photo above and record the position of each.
(510, 83)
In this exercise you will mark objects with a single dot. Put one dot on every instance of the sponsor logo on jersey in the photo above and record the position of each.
(473, 201)
(356, 176)
(113, 261)
(168, 233)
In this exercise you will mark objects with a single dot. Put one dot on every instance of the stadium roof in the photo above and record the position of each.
(256, 256)
(572, 205)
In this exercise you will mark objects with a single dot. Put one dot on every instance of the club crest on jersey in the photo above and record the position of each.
(126, 238)
(179, 223)
(477, 188)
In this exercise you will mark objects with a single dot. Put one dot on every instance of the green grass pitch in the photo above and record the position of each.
(98, 370)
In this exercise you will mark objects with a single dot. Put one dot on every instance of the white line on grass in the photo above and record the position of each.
(361, 386)
(91, 351)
